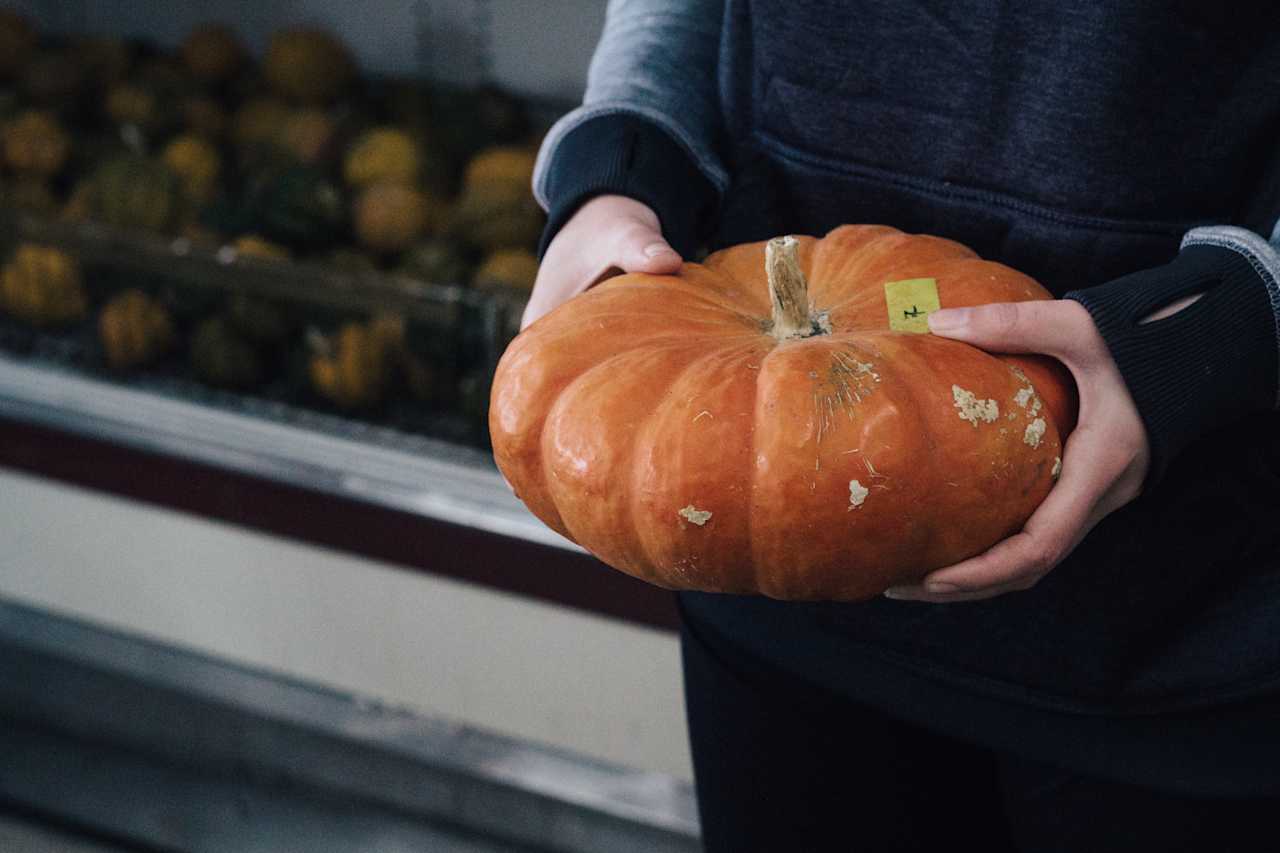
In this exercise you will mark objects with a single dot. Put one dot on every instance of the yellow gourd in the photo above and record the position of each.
(43, 286)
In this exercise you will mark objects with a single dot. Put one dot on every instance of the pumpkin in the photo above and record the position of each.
(221, 357)
(35, 144)
(307, 135)
(204, 116)
(353, 368)
(31, 195)
(212, 53)
(17, 41)
(308, 65)
(762, 424)
(132, 104)
(382, 154)
(495, 216)
(135, 192)
(196, 163)
(253, 246)
(510, 269)
(256, 320)
(134, 330)
(508, 165)
(258, 122)
(53, 79)
(390, 217)
(104, 59)
(438, 261)
(43, 286)
(298, 207)
(496, 209)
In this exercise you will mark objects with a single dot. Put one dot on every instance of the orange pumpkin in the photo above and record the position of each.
(757, 424)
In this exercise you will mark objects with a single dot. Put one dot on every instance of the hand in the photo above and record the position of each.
(609, 235)
(1104, 462)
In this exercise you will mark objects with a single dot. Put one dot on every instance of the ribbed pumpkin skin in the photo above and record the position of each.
(624, 415)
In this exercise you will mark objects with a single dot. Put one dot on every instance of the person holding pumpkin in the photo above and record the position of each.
(1109, 677)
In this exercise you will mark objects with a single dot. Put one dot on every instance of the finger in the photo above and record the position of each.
(641, 248)
(1054, 327)
(1052, 531)
(919, 593)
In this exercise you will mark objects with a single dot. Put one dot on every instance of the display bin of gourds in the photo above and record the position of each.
(279, 226)
(226, 327)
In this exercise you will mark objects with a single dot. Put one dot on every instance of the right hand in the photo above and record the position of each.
(607, 236)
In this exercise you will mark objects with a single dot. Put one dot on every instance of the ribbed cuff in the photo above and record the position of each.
(1205, 366)
(626, 155)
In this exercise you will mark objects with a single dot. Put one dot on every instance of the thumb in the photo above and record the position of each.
(1033, 326)
(644, 250)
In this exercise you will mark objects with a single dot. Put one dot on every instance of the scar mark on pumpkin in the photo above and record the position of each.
(696, 516)
(857, 494)
(973, 409)
(703, 412)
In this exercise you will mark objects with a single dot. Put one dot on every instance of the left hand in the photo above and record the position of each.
(1104, 462)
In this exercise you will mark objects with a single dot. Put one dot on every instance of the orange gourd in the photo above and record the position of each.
(753, 424)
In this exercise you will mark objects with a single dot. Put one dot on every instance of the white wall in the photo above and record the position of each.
(534, 46)
(537, 671)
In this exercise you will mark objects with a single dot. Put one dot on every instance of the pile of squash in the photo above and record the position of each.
(296, 149)
(291, 157)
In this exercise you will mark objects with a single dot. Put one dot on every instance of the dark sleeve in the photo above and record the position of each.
(624, 154)
(1209, 364)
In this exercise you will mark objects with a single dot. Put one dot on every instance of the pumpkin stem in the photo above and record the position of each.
(788, 289)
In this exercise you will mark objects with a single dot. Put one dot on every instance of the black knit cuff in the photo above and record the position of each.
(1204, 367)
(624, 154)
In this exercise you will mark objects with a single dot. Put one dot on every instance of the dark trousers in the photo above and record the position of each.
(782, 765)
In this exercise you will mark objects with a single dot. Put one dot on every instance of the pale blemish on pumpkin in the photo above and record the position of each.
(1035, 432)
(857, 494)
(696, 516)
(973, 409)
(1057, 467)
(1024, 396)
(702, 413)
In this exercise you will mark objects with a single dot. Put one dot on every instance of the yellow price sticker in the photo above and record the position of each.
(910, 302)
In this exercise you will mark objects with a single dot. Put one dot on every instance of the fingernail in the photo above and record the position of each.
(655, 249)
(935, 586)
(948, 318)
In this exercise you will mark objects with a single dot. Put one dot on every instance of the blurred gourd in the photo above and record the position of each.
(382, 154)
(205, 116)
(53, 79)
(197, 164)
(212, 53)
(496, 209)
(354, 367)
(30, 194)
(257, 122)
(134, 330)
(104, 60)
(257, 320)
(131, 191)
(298, 207)
(43, 286)
(129, 103)
(222, 357)
(35, 144)
(507, 269)
(390, 217)
(253, 246)
(437, 260)
(307, 135)
(308, 65)
(17, 42)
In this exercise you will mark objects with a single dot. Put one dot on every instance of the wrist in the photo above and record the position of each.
(625, 155)
(1204, 366)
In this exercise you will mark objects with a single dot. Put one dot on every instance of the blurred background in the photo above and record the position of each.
(261, 586)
